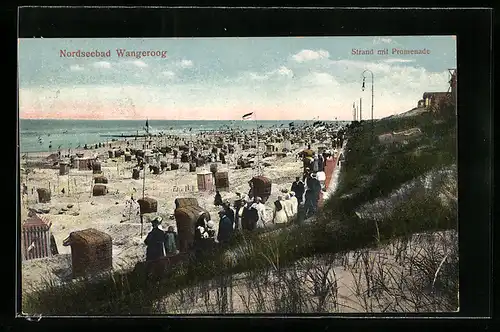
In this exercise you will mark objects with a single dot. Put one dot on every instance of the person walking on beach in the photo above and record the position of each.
(294, 204)
(309, 206)
(229, 212)
(249, 217)
(279, 213)
(321, 163)
(217, 199)
(225, 227)
(155, 241)
(170, 241)
(315, 167)
(202, 237)
(288, 206)
(315, 186)
(298, 188)
(238, 205)
(261, 209)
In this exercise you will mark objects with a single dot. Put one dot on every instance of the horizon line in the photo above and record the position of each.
(176, 119)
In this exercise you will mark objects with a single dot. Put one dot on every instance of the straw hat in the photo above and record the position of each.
(157, 220)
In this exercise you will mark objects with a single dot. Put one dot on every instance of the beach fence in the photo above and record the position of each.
(36, 237)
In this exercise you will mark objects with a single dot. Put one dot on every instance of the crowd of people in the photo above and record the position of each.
(247, 213)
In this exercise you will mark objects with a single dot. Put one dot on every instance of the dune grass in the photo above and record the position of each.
(371, 171)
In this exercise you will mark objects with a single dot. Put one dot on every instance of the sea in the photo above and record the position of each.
(50, 135)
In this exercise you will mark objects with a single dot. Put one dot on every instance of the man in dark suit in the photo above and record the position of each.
(298, 188)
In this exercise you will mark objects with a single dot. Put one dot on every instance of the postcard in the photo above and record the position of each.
(175, 176)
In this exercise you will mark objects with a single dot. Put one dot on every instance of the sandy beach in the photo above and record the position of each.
(76, 208)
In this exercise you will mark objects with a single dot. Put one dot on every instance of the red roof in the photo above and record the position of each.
(37, 221)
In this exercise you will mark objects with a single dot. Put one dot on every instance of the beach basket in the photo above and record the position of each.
(185, 201)
(147, 205)
(192, 167)
(91, 252)
(148, 158)
(111, 153)
(99, 190)
(221, 181)
(96, 167)
(128, 157)
(185, 218)
(261, 187)
(36, 238)
(63, 168)
(205, 181)
(136, 174)
(155, 169)
(174, 166)
(100, 179)
(44, 195)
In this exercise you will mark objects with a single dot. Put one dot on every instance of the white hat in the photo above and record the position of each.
(157, 220)
(210, 224)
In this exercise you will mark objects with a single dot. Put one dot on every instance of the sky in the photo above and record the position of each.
(277, 78)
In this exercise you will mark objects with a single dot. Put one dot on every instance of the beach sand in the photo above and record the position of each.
(111, 214)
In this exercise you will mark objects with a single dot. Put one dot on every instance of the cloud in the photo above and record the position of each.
(398, 60)
(327, 91)
(186, 64)
(258, 77)
(102, 64)
(278, 73)
(139, 63)
(284, 71)
(307, 55)
(318, 79)
(168, 74)
(75, 68)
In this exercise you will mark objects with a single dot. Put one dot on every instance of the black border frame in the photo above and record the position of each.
(474, 57)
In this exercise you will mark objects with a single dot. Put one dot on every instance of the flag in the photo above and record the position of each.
(247, 116)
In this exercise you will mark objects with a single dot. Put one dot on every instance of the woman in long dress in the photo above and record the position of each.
(295, 204)
(279, 213)
(287, 206)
